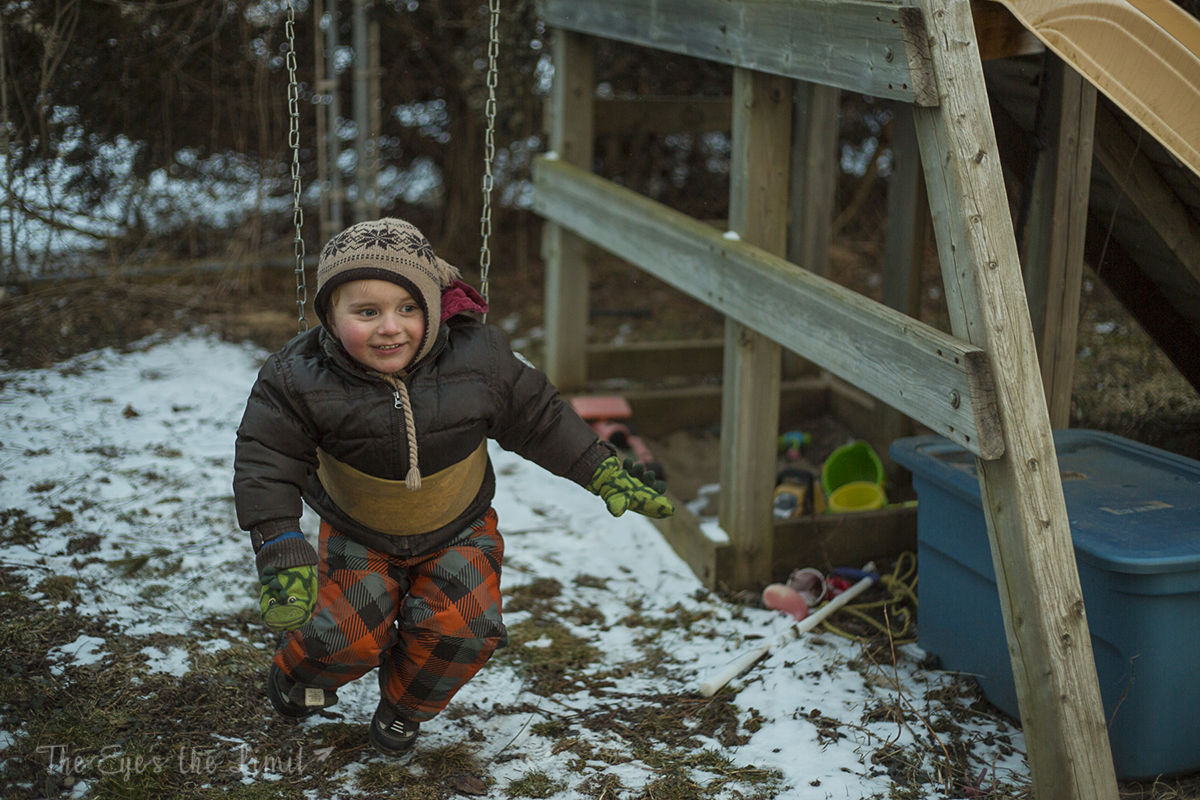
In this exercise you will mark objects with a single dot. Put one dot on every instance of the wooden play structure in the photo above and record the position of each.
(1000, 383)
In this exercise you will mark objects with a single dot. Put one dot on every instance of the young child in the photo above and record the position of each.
(379, 420)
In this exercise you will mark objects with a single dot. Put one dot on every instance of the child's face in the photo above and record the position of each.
(378, 322)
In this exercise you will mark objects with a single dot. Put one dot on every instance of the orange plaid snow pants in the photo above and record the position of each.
(429, 623)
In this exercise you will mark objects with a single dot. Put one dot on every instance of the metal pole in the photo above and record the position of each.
(337, 191)
(321, 85)
(374, 144)
(364, 198)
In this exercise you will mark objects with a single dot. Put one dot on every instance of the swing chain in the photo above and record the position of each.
(294, 143)
(485, 224)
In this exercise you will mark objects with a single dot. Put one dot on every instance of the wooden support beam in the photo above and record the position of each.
(572, 138)
(758, 213)
(903, 244)
(710, 557)
(1057, 223)
(851, 44)
(812, 188)
(814, 175)
(657, 412)
(663, 115)
(824, 541)
(1038, 583)
(835, 540)
(640, 361)
(1139, 180)
(1144, 299)
(931, 376)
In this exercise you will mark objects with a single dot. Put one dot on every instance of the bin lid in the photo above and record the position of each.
(1132, 508)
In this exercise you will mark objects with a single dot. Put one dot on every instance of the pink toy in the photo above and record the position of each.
(599, 411)
(783, 598)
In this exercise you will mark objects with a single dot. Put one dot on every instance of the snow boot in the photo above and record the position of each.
(391, 733)
(294, 701)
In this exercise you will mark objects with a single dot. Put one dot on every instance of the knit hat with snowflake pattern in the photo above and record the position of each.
(391, 250)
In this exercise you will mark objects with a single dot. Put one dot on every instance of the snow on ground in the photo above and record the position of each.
(125, 461)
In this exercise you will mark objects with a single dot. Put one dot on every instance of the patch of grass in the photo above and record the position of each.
(105, 451)
(390, 777)
(132, 773)
(429, 775)
(130, 565)
(584, 615)
(58, 588)
(534, 784)
(11, 580)
(602, 786)
(240, 658)
(139, 565)
(550, 729)
(263, 790)
(591, 581)
(16, 527)
(671, 787)
(88, 543)
(153, 591)
(678, 618)
(532, 596)
(550, 667)
(676, 721)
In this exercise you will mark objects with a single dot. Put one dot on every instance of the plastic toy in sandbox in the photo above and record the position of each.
(851, 479)
(611, 417)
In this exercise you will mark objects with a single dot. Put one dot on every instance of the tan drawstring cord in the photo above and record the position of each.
(413, 479)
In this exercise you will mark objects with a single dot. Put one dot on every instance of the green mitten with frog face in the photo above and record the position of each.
(288, 596)
(287, 571)
(630, 487)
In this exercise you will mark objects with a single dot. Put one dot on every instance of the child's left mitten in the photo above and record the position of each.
(288, 575)
(630, 487)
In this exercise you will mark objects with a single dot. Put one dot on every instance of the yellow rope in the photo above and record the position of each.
(901, 585)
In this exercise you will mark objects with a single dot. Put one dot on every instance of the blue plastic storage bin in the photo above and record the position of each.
(1134, 512)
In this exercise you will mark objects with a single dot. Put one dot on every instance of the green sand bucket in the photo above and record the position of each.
(851, 462)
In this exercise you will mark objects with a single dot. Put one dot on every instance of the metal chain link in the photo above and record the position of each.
(294, 142)
(489, 154)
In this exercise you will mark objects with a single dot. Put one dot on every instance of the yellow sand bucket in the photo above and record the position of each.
(857, 496)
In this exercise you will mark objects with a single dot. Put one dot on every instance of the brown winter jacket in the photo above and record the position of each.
(469, 388)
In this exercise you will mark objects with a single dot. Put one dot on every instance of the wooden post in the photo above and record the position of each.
(758, 213)
(814, 175)
(1057, 225)
(571, 137)
(1038, 583)
(903, 244)
(813, 187)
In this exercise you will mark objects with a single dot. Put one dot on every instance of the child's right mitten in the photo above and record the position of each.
(630, 487)
(287, 572)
